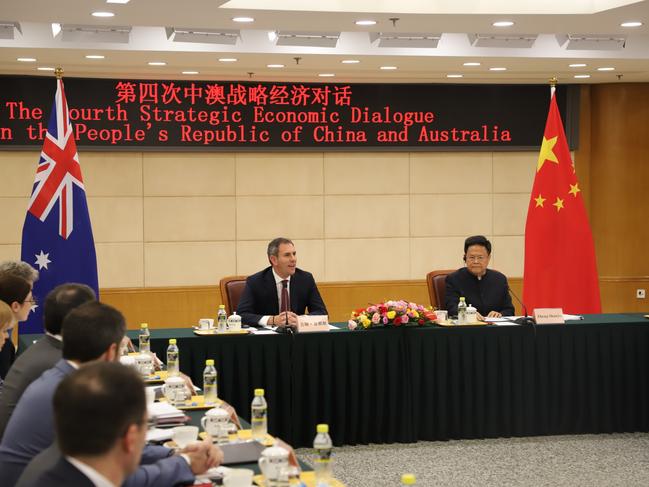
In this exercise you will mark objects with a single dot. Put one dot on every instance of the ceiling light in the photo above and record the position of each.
(245, 20)
(199, 35)
(582, 76)
(190, 72)
(365, 22)
(350, 61)
(26, 59)
(103, 14)
(120, 2)
(45, 68)
(272, 35)
(326, 75)
(454, 76)
(631, 24)
(606, 69)
(94, 33)
(405, 39)
(388, 68)
(471, 64)
(577, 65)
(307, 39)
(274, 66)
(7, 29)
(497, 69)
(507, 41)
(157, 63)
(56, 28)
(95, 56)
(228, 59)
(503, 23)
(591, 41)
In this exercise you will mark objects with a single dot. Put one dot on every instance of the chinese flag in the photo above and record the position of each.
(560, 267)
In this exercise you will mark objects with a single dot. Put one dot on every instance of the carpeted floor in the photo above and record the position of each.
(584, 460)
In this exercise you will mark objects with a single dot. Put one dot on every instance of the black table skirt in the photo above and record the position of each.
(408, 384)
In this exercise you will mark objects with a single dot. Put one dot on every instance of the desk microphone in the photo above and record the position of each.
(526, 320)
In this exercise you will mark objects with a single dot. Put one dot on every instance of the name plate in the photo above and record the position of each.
(548, 316)
(308, 323)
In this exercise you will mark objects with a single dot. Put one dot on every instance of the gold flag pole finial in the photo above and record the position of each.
(553, 81)
(58, 72)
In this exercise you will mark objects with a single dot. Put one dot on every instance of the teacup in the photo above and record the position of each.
(144, 364)
(216, 422)
(184, 435)
(129, 361)
(238, 477)
(175, 390)
(234, 322)
(442, 315)
(471, 314)
(273, 462)
(206, 323)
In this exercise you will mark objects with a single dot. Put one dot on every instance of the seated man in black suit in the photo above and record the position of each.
(484, 288)
(45, 353)
(280, 293)
(101, 421)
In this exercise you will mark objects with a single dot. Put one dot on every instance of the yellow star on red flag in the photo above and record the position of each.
(547, 153)
(539, 201)
(574, 189)
(558, 204)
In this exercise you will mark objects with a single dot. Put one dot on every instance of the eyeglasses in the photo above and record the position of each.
(33, 301)
(476, 258)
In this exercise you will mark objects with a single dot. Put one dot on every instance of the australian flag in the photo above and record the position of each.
(57, 236)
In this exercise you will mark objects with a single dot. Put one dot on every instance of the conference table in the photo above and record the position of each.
(405, 384)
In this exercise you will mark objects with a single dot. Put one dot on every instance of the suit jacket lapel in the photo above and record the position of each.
(271, 288)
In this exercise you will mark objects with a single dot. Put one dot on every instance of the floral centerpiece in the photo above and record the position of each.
(395, 313)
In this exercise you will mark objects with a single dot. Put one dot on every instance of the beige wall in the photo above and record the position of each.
(178, 219)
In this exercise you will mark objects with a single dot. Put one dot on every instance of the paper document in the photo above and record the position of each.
(572, 317)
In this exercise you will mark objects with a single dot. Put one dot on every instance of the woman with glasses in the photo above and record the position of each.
(487, 290)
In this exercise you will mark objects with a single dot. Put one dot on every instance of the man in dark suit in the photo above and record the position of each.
(484, 288)
(46, 352)
(280, 293)
(101, 422)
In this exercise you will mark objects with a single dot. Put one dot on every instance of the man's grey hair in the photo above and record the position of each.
(19, 269)
(273, 245)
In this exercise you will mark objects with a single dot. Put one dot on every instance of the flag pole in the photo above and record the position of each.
(553, 85)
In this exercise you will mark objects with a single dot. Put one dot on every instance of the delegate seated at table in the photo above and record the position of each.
(277, 295)
(487, 290)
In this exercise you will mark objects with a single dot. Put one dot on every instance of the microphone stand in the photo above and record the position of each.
(526, 320)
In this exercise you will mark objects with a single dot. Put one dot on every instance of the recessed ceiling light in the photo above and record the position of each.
(388, 68)
(274, 65)
(26, 59)
(272, 35)
(56, 28)
(45, 68)
(95, 56)
(121, 2)
(228, 59)
(103, 14)
(326, 75)
(582, 76)
(365, 22)
(497, 69)
(503, 23)
(157, 63)
(607, 68)
(350, 61)
(190, 72)
(577, 65)
(454, 76)
(243, 19)
(471, 64)
(631, 24)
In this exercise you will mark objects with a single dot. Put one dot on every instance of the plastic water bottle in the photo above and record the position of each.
(173, 360)
(408, 479)
(322, 447)
(209, 382)
(258, 416)
(222, 319)
(145, 338)
(461, 311)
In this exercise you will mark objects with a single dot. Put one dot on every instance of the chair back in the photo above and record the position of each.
(231, 288)
(436, 281)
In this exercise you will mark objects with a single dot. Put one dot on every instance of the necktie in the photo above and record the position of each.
(283, 305)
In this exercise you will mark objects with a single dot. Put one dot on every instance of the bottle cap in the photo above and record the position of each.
(322, 428)
(461, 298)
(209, 361)
(221, 306)
(144, 325)
(259, 392)
(172, 341)
(408, 479)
